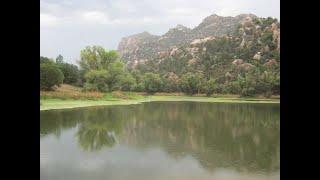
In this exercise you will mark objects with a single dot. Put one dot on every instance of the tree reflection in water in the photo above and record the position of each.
(94, 137)
(218, 135)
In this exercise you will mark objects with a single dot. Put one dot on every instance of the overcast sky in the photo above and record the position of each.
(67, 26)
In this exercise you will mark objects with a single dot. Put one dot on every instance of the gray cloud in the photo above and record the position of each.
(67, 26)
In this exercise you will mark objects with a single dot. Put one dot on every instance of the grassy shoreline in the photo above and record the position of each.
(67, 96)
(49, 104)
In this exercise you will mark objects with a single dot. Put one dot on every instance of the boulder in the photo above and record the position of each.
(257, 56)
(163, 54)
(193, 50)
(175, 51)
(228, 75)
(204, 49)
(202, 40)
(271, 63)
(192, 61)
(276, 38)
(258, 27)
(247, 66)
(274, 27)
(247, 22)
(237, 62)
(243, 42)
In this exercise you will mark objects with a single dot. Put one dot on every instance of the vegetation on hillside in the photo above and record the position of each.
(246, 63)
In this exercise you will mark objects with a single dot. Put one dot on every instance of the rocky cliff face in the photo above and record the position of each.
(138, 47)
(215, 25)
(142, 47)
(254, 43)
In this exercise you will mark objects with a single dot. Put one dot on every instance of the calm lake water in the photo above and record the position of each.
(161, 141)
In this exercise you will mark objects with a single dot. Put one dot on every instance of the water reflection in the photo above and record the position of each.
(242, 137)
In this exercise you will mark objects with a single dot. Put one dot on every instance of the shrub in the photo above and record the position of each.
(128, 82)
(70, 73)
(152, 82)
(209, 86)
(50, 75)
(96, 80)
(191, 82)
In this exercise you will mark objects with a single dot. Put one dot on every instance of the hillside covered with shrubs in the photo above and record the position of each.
(245, 62)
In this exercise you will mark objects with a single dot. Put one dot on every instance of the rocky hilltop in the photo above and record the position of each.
(215, 25)
(138, 47)
(144, 46)
(243, 58)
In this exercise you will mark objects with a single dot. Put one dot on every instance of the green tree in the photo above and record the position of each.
(267, 39)
(268, 21)
(82, 78)
(104, 68)
(152, 82)
(96, 80)
(209, 86)
(70, 73)
(266, 83)
(105, 80)
(50, 75)
(46, 60)
(276, 85)
(232, 87)
(138, 76)
(96, 58)
(191, 82)
(128, 83)
(171, 82)
(247, 85)
(115, 73)
(59, 59)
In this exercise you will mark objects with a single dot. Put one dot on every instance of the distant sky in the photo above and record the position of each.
(67, 26)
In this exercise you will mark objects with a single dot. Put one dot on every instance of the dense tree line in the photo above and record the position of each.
(53, 73)
(214, 71)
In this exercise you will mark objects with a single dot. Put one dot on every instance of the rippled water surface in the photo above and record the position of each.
(161, 140)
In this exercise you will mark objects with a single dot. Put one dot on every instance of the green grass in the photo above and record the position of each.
(67, 96)
(64, 104)
(46, 104)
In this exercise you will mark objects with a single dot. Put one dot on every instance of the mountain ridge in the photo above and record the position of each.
(145, 46)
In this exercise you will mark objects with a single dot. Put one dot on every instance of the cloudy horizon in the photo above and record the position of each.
(67, 26)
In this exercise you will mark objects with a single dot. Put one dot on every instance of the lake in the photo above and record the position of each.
(161, 141)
